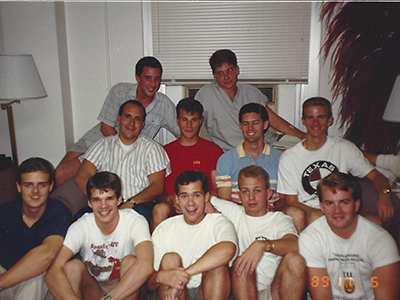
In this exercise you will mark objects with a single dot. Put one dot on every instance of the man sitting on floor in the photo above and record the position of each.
(192, 250)
(189, 152)
(32, 231)
(268, 265)
(348, 257)
(114, 245)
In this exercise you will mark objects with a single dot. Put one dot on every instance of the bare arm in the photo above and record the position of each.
(282, 125)
(107, 130)
(319, 284)
(385, 281)
(384, 205)
(34, 263)
(224, 193)
(137, 274)
(175, 278)
(246, 263)
(214, 191)
(85, 172)
(56, 279)
(156, 187)
(217, 256)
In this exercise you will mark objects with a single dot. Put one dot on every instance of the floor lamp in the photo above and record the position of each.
(19, 80)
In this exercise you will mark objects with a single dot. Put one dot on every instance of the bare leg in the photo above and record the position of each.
(290, 279)
(244, 288)
(170, 261)
(216, 284)
(68, 167)
(81, 282)
(160, 213)
(126, 263)
(298, 215)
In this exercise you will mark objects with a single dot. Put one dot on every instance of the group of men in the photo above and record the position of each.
(202, 246)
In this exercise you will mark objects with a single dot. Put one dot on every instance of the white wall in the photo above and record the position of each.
(81, 50)
(103, 41)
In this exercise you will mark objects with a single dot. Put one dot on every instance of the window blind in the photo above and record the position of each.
(270, 39)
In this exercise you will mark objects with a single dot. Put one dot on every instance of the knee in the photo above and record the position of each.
(313, 215)
(161, 211)
(170, 260)
(74, 267)
(128, 261)
(298, 215)
(295, 264)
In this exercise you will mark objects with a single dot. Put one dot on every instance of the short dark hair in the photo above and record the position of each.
(222, 56)
(104, 181)
(318, 101)
(35, 164)
(134, 102)
(190, 176)
(148, 61)
(340, 181)
(254, 171)
(254, 108)
(190, 105)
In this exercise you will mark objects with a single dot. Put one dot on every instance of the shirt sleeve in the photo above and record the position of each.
(170, 118)
(109, 111)
(224, 231)
(139, 228)
(285, 225)
(359, 165)
(224, 178)
(75, 237)
(310, 249)
(389, 162)
(58, 220)
(95, 154)
(286, 182)
(158, 160)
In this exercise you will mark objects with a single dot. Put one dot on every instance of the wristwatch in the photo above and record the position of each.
(263, 238)
(107, 297)
(132, 201)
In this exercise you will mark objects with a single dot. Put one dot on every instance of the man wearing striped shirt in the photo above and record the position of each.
(140, 162)
(253, 150)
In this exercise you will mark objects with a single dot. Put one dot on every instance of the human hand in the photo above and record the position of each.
(246, 263)
(385, 207)
(176, 278)
(172, 294)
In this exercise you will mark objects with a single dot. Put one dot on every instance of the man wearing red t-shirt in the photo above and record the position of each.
(189, 152)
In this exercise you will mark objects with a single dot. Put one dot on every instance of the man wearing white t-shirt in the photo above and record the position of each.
(114, 245)
(192, 250)
(348, 257)
(301, 167)
(268, 266)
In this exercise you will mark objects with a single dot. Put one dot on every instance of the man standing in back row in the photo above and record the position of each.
(223, 98)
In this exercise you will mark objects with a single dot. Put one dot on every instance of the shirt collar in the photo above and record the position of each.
(241, 153)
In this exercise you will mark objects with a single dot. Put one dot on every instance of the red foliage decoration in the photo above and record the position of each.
(364, 39)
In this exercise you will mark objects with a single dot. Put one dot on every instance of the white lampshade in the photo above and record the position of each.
(19, 78)
(392, 112)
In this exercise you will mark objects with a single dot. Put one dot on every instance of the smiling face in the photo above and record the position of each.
(226, 76)
(316, 121)
(192, 200)
(130, 123)
(148, 83)
(189, 125)
(254, 196)
(340, 210)
(34, 188)
(252, 127)
(105, 207)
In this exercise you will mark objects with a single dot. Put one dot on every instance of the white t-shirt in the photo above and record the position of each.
(191, 241)
(273, 226)
(349, 262)
(300, 170)
(102, 254)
